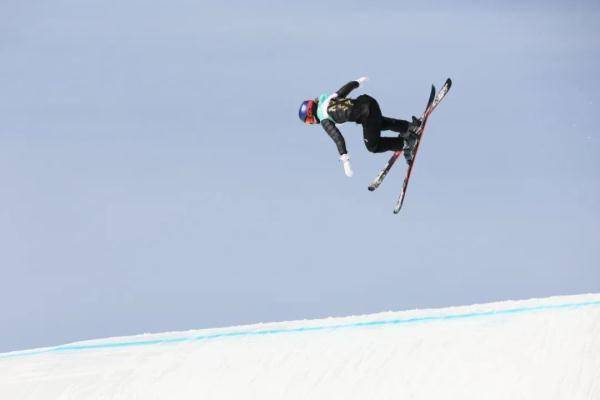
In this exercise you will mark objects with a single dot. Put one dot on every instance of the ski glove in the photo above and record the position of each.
(347, 168)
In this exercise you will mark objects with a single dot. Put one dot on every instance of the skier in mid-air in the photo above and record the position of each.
(336, 108)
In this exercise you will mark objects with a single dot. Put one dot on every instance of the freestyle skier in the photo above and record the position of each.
(331, 109)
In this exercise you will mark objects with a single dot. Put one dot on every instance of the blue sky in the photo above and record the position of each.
(156, 177)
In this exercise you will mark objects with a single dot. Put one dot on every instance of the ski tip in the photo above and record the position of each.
(398, 207)
(448, 82)
(371, 188)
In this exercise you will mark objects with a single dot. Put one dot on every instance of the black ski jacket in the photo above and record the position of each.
(340, 110)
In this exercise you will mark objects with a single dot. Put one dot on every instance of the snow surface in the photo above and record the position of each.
(534, 349)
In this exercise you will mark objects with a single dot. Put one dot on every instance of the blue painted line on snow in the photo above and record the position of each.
(398, 321)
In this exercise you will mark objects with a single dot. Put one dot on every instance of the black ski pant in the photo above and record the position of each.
(367, 113)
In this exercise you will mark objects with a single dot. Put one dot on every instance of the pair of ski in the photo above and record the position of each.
(432, 103)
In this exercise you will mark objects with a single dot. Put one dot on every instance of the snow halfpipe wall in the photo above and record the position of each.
(534, 349)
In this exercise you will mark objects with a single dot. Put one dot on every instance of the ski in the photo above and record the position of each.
(438, 98)
(382, 174)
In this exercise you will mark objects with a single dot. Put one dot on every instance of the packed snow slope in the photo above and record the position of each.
(535, 349)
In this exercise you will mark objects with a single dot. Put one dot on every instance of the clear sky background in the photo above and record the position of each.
(155, 176)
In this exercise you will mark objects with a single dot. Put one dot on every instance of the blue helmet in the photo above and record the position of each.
(308, 111)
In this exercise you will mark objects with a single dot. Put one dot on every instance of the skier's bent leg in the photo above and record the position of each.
(373, 123)
(372, 134)
(384, 144)
(395, 125)
(390, 144)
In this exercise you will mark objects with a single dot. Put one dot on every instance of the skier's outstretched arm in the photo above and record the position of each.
(350, 86)
(335, 134)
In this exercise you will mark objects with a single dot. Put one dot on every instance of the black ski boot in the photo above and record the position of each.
(415, 125)
(412, 139)
(410, 146)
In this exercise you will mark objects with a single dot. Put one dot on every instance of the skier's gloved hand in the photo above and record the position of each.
(347, 168)
(362, 80)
